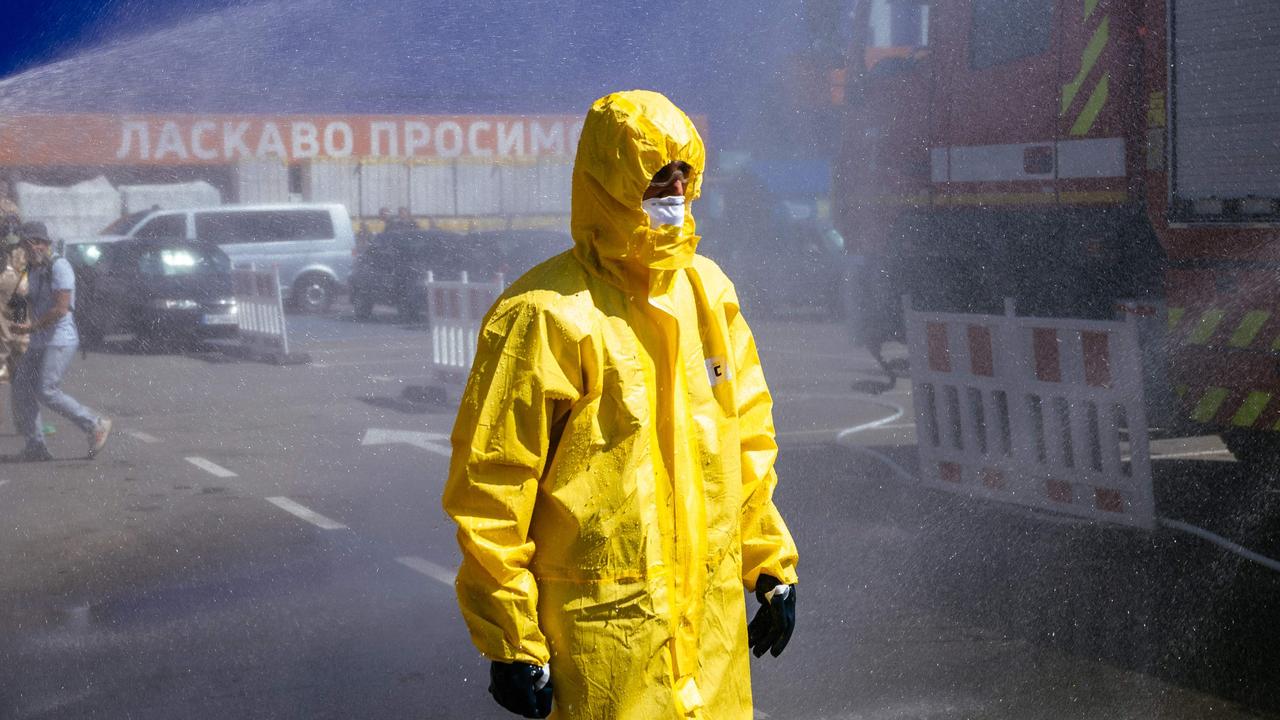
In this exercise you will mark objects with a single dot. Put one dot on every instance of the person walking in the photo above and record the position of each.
(612, 474)
(51, 298)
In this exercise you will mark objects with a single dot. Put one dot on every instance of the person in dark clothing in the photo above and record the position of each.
(402, 222)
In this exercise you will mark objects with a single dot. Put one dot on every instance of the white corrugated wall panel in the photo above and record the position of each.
(386, 185)
(1226, 99)
(555, 177)
(519, 188)
(432, 189)
(262, 181)
(334, 181)
(479, 191)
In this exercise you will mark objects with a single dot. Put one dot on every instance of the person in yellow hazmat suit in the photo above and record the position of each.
(613, 457)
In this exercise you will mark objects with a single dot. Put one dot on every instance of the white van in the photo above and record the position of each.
(312, 245)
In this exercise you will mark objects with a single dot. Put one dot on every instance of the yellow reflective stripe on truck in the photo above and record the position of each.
(1248, 329)
(1209, 403)
(1244, 335)
(1097, 99)
(1088, 115)
(1252, 407)
(1205, 328)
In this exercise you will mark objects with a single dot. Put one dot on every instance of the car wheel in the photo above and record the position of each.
(146, 338)
(91, 335)
(363, 305)
(409, 311)
(1257, 450)
(313, 293)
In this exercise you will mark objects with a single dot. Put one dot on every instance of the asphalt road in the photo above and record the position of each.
(265, 541)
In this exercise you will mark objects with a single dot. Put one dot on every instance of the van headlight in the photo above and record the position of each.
(176, 304)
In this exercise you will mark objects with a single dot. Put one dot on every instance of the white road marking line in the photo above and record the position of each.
(382, 378)
(761, 715)
(306, 513)
(898, 412)
(423, 440)
(211, 468)
(144, 437)
(1198, 453)
(428, 568)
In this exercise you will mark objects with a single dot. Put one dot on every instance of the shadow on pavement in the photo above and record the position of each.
(400, 405)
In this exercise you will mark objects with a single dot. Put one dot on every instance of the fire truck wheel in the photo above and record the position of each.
(409, 311)
(363, 305)
(1260, 450)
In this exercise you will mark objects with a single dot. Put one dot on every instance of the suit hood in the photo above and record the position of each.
(626, 138)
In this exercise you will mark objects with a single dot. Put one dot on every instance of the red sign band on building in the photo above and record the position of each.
(39, 140)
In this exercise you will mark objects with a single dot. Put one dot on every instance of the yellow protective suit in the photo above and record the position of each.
(612, 472)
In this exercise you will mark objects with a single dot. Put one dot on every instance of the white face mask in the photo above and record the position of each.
(664, 211)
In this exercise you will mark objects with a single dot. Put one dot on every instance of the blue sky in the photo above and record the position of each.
(42, 30)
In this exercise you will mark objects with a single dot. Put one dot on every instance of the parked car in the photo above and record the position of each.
(392, 270)
(312, 245)
(156, 290)
(513, 252)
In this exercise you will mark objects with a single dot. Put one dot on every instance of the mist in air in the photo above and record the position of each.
(1009, 266)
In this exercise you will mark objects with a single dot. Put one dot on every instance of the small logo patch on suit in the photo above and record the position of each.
(718, 370)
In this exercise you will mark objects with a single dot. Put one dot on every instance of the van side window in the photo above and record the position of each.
(164, 226)
(256, 226)
(1006, 30)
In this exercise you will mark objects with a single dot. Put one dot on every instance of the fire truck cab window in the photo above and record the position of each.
(1006, 30)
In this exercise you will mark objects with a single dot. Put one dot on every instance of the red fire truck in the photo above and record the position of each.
(1070, 154)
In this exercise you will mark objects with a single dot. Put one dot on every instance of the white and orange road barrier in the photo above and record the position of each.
(263, 331)
(1041, 412)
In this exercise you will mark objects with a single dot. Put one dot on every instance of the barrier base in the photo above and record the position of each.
(432, 394)
(269, 356)
(293, 358)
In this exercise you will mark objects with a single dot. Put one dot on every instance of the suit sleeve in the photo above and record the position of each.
(767, 547)
(521, 383)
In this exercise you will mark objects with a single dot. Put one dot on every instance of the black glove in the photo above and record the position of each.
(515, 687)
(771, 628)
